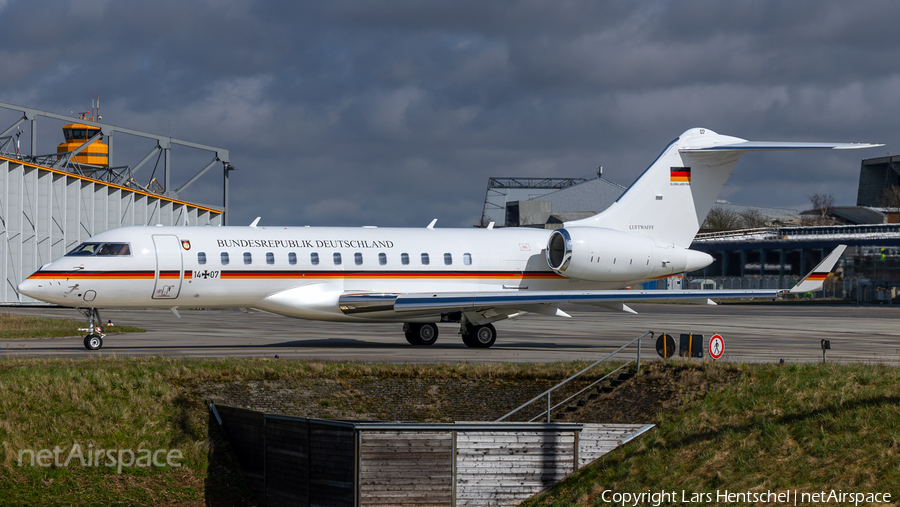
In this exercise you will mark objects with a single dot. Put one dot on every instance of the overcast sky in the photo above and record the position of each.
(393, 113)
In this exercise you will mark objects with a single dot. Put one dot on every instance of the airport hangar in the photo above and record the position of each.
(774, 256)
(50, 203)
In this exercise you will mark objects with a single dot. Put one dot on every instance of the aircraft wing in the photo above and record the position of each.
(544, 302)
(477, 300)
(509, 302)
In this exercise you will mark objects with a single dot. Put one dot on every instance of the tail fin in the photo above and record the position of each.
(673, 196)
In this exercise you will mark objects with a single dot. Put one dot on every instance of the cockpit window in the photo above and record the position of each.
(85, 249)
(100, 249)
(114, 249)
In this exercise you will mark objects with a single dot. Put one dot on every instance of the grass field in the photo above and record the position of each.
(806, 428)
(111, 403)
(759, 427)
(19, 326)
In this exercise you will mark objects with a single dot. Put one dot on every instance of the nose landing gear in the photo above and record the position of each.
(93, 341)
(94, 338)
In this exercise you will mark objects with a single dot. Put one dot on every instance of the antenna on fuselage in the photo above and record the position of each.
(255, 222)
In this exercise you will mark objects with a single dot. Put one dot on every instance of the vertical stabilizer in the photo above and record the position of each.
(673, 196)
(670, 200)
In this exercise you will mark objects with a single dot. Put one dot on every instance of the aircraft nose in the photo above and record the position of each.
(30, 287)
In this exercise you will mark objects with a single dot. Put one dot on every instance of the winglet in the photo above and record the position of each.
(816, 278)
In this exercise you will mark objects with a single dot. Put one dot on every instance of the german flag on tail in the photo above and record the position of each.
(680, 175)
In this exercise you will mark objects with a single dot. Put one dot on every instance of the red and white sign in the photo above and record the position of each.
(716, 346)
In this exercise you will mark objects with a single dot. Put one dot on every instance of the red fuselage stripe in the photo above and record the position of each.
(132, 275)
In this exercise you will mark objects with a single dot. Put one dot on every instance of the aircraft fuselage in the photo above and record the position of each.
(222, 267)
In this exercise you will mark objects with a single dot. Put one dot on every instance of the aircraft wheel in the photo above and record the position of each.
(421, 334)
(408, 333)
(480, 337)
(93, 342)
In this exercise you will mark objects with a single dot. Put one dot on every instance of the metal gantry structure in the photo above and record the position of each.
(503, 190)
(51, 203)
(122, 175)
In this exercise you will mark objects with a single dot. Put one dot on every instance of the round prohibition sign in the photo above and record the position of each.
(716, 346)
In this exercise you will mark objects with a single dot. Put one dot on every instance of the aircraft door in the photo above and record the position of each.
(169, 268)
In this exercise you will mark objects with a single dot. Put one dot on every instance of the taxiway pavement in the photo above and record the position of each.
(753, 333)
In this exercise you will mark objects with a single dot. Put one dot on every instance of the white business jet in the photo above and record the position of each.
(422, 276)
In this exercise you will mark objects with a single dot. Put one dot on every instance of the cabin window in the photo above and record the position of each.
(425, 259)
(270, 258)
(448, 259)
(314, 258)
(337, 258)
(292, 258)
(404, 258)
(382, 258)
(201, 257)
(357, 258)
(224, 258)
(467, 259)
(248, 259)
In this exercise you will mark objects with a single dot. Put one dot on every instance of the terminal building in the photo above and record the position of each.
(775, 254)
(50, 203)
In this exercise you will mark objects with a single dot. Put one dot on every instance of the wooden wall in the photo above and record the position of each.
(296, 461)
(596, 440)
(406, 468)
(505, 468)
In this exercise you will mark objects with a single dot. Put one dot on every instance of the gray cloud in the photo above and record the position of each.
(393, 113)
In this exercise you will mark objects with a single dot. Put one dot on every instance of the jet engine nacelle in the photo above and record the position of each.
(607, 255)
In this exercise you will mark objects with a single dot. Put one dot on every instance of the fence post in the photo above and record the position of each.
(639, 356)
(548, 406)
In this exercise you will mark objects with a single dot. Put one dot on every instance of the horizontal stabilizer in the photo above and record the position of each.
(748, 146)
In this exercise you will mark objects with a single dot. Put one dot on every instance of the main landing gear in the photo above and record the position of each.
(421, 334)
(479, 337)
(94, 338)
